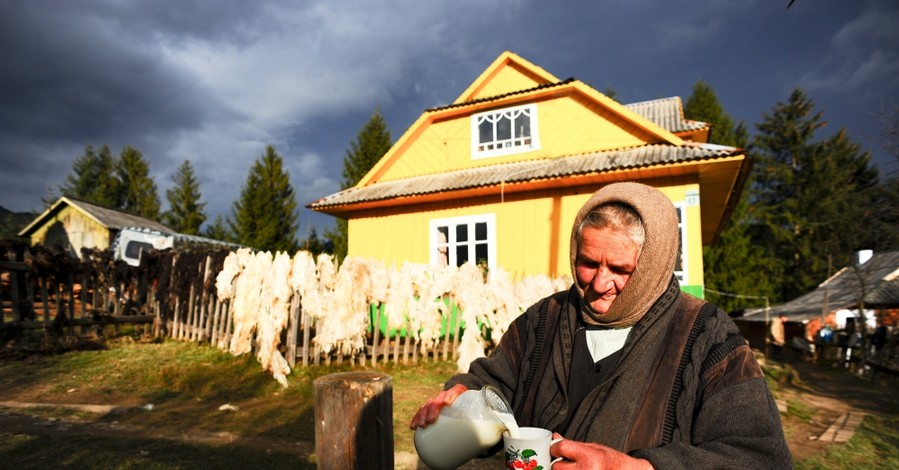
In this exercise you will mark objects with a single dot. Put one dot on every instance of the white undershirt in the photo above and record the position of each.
(602, 343)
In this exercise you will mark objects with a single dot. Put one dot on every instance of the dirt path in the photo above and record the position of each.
(836, 396)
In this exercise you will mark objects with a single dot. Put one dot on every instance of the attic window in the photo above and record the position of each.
(504, 131)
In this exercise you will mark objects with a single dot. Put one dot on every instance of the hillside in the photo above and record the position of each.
(13, 222)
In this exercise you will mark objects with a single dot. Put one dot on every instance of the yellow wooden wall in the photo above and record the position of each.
(567, 125)
(532, 235)
(72, 230)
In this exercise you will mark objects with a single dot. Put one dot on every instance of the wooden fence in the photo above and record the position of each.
(172, 294)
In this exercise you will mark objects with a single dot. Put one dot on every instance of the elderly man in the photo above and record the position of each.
(632, 372)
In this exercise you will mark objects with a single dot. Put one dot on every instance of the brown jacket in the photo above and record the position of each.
(687, 391)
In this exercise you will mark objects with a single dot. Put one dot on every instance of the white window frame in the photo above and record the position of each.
(681, 274)
(436, 242)
(515, 144)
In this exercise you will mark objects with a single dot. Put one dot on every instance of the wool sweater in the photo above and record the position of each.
(686, 391)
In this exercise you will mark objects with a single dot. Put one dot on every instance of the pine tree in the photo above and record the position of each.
(139, 195)
(732, 266)
(265, 216)
(186, 212)
(93, 179)
(372, 142)
(312, 243)
(808, 197)
(218, 230)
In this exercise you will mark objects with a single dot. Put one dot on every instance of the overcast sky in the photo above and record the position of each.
(214, 82)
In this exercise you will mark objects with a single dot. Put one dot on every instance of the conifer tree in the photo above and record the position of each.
(186, 212)
(138, 190)
(809, 197)
(218, 230)
(265, 216)
(93, 178)
(372, 142)
(732, 266)
(312, 243)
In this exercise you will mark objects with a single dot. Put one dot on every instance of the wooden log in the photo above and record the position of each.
(354, 420)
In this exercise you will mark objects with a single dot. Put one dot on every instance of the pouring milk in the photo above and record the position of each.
(467, 428)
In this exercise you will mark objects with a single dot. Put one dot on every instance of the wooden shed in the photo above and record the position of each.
(73, 225)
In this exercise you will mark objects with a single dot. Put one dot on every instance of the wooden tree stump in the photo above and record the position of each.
(354, 420)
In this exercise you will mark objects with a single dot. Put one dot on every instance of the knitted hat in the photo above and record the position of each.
(655, 266)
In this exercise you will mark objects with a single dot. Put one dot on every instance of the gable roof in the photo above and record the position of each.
(522, 82)
(525, 75)
(106, 217)
(878, 278)
(656, 152)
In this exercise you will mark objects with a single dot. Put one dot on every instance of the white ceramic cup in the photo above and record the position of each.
(530, 449)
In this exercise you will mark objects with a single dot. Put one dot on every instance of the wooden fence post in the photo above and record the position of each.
(354, 420)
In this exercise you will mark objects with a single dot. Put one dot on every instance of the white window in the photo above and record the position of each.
(504, 131)
(460, 239)
(680, 263)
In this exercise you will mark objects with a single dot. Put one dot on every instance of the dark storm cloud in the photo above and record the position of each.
(216, 81)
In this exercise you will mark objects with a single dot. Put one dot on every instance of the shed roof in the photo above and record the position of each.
(109, 218)
(878, 278)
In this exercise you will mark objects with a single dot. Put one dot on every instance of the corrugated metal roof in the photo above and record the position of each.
(526, 171)
(842, 291)
(109, 218)
(667, 113)
(114, 219)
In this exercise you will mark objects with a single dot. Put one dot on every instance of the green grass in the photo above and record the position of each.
(177, 388)
(874, 446)
(186, 383)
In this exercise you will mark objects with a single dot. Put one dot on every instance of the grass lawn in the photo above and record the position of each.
(193, 406)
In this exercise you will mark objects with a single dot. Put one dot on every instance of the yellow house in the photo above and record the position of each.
(498, 176)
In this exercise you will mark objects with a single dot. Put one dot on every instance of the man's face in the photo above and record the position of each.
(605, 260)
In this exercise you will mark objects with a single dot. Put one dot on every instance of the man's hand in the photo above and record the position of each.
(589, 455)
(428, 412)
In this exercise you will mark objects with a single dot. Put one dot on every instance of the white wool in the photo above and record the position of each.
(303, 276)
(531, 289)
(470, 294)
(346, 322)
(247, 298)
(224, 281)
(506, 305)
(471, 347)
(413, 297)
(429, 306)
(401, 289)
(562, 283)
(380, 280)
(327, 272)
(273, 314)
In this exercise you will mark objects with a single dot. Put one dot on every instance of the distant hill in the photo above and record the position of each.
(11, 223)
